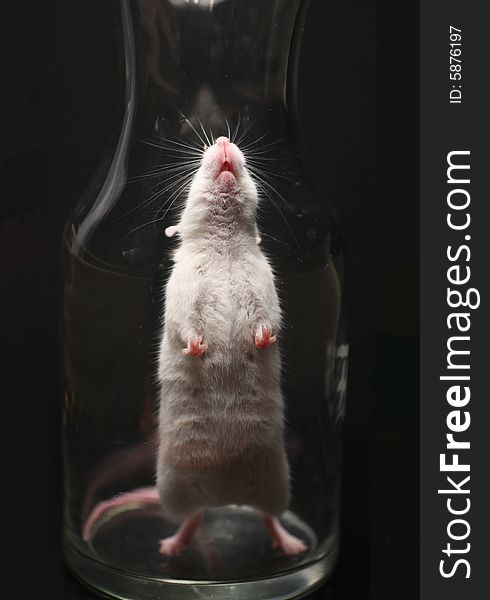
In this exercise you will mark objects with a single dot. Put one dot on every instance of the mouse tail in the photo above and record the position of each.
(130, 500)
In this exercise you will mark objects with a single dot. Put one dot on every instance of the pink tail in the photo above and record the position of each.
(139, 497)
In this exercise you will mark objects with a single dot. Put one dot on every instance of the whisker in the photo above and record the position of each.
(263, 147)
(261, 183)
(191, 126)
(175, 194)
(187, 172)
(194, 153)
(263, 234)
(246, 147)
(163, 170)
(152, 198)
(182, 144)
(263, 170)
(177, 163)
(244, 135)
(189, 143)
(261, 159)
(177, 177)
(143, 225)
(235, 131)
(179, 191)
(204, 131)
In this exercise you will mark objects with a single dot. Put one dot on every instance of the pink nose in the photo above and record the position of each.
(223, 144)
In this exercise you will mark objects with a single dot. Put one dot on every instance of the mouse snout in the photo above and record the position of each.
(224, 146)
(227, 156)
(224, 162)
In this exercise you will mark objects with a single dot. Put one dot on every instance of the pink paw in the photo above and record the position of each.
(281, 538)
(172, 546)
(263, 337)
(195, 347)
(289, 544)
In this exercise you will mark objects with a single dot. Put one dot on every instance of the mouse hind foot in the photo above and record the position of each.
(175, 544)
(282, 539)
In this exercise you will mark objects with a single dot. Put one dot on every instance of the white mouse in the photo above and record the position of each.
(221, 411)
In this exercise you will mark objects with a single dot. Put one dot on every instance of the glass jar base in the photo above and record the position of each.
(231, 557)
(116, 584)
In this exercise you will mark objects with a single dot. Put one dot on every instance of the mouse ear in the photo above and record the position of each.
(171, 231)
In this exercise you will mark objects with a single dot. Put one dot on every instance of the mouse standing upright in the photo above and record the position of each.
(221, 412)
(221, 409)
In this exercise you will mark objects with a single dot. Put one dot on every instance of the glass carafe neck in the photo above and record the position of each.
(214, 60)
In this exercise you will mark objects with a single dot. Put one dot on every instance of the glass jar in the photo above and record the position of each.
(197, 74)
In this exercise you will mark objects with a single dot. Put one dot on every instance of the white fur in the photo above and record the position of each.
(221, 414)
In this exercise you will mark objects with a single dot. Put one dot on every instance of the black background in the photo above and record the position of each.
(358, 113)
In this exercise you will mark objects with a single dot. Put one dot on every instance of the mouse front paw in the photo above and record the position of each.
(195, 347)
(263, 337)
